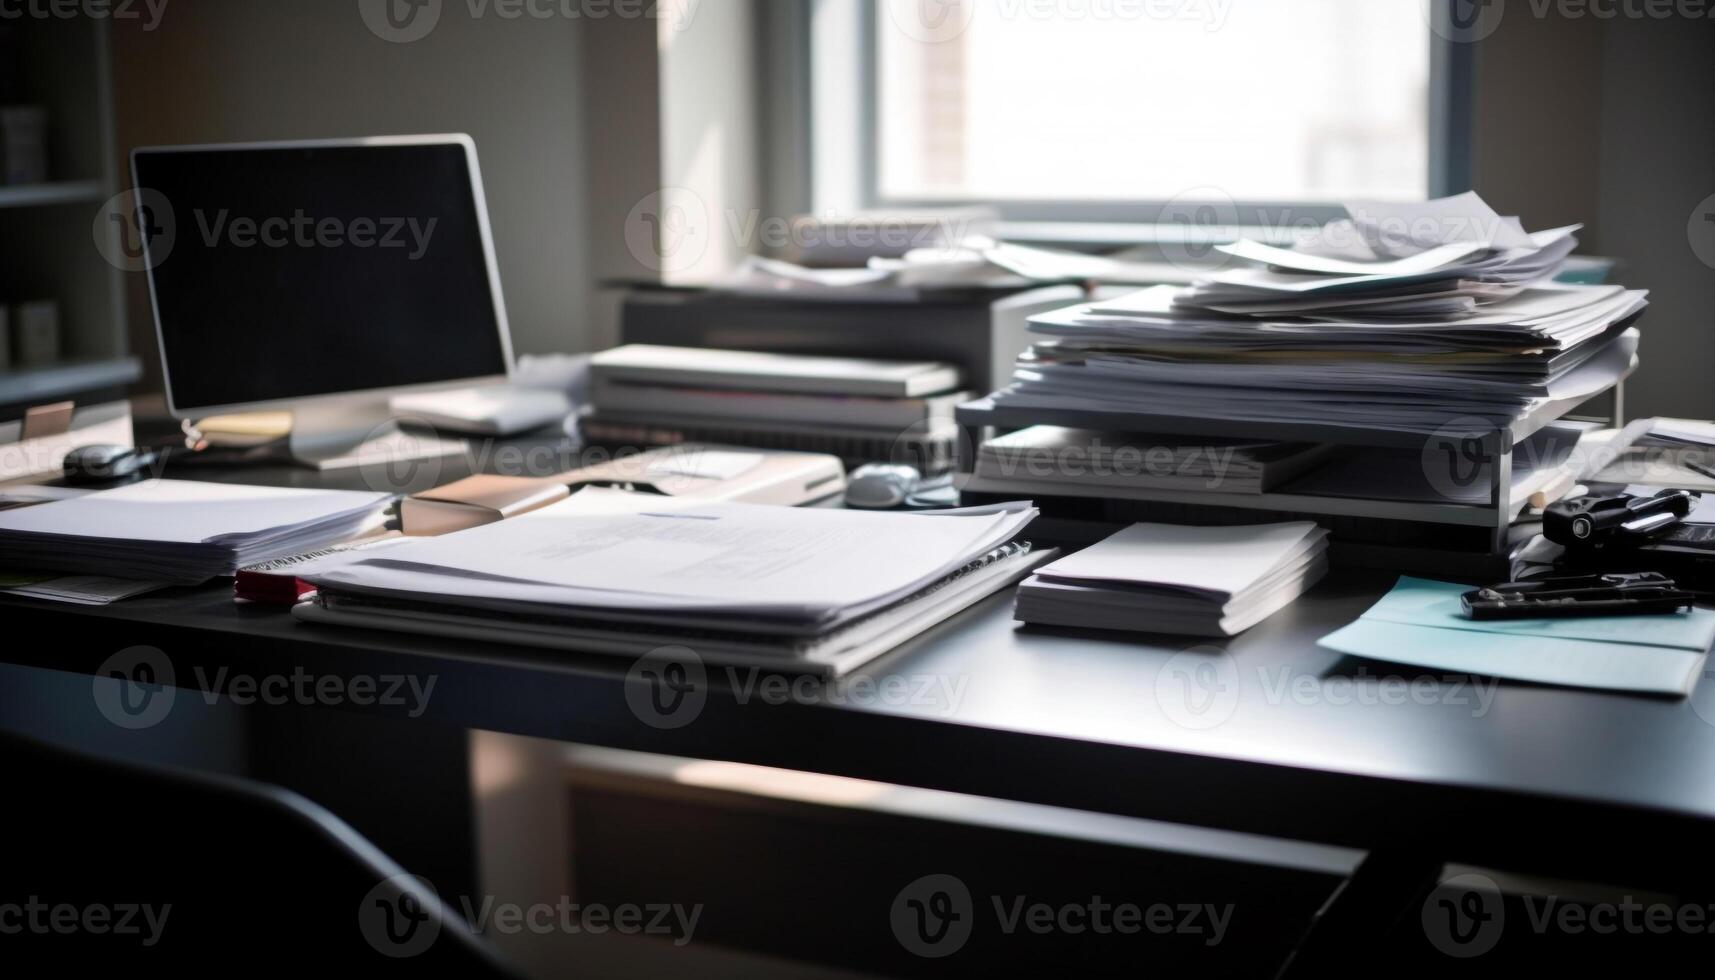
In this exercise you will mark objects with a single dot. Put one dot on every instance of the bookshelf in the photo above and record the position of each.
(49, 246)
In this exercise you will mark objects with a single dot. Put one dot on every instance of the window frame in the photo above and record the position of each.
(1451, 71)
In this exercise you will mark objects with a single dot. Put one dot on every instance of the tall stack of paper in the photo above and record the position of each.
(859, 409)
(1381, 331)
(803, 590)
(181, 531)
(1167, 578)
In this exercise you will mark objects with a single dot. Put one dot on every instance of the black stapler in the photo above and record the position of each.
(1614, 594)
(1596, 522)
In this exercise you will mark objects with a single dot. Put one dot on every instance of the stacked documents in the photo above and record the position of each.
(1403, 334)
(799, 590)
(1168, 578)
(180, 531)
(859, 409)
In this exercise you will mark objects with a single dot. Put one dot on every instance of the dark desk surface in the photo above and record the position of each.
(1275, 736)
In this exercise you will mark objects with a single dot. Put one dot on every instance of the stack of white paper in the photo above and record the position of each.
(1394, 335)
(179, 531)
(613, 572)
(1167, 578)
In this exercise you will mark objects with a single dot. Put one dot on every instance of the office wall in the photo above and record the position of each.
(219, 70)
(1604, 121)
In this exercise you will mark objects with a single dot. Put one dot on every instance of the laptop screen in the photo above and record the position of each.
(292, 271)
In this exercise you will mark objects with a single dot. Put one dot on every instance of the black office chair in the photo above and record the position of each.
(107, 863)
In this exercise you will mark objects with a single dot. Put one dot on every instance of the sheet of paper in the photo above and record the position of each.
(1426, 261)
(1399, 228)
(1541, 660)
(1418, 623)
(1220, 560)
(1424, 602)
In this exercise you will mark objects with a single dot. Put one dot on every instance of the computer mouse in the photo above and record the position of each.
(880, 486)
(106, 463)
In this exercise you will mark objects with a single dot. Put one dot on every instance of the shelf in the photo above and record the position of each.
(34, 386)
(1473, 515)
(985, 412)
(59, 192)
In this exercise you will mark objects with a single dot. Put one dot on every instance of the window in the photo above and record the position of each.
(1108, 109)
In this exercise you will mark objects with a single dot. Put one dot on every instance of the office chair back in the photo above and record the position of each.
(107, 863)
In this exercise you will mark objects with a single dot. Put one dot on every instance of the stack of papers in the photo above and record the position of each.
(861, 409)
(1458, 328)
(1166, 578)
(181, 532)
(802, 590)
(1421, 623)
